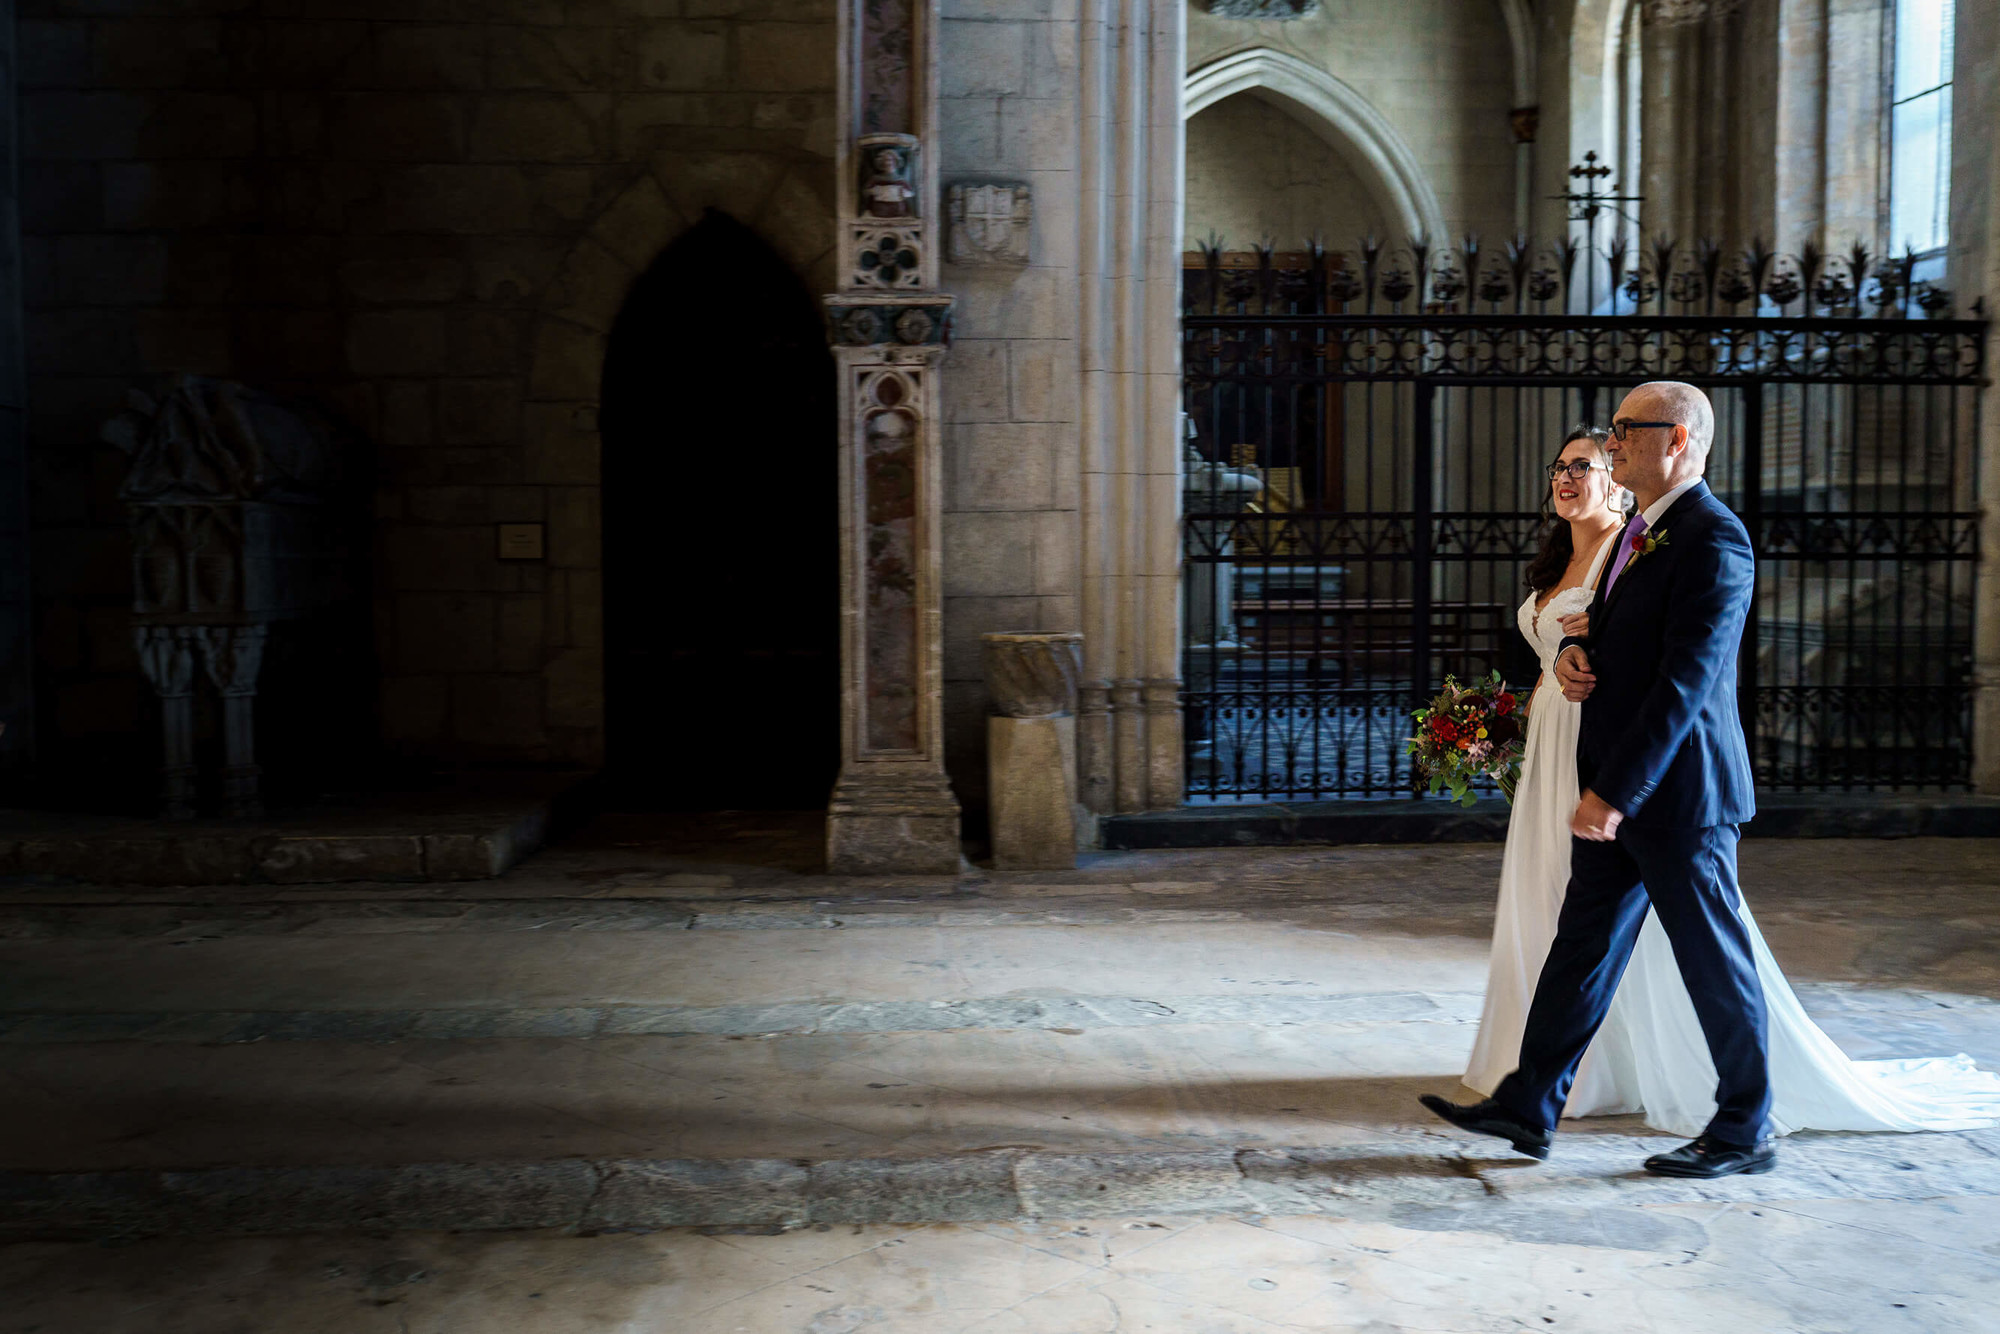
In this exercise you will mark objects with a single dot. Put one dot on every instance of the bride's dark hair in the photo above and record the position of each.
(1545, 571)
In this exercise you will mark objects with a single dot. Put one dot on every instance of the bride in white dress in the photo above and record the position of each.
(1650, 1055)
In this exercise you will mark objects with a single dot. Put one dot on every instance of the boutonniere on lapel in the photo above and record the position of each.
(1647, 545)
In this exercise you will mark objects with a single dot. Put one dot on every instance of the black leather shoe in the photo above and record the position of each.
(1712, 1157)
(1487, 1117)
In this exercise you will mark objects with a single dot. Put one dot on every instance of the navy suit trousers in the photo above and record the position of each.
(1689, 877)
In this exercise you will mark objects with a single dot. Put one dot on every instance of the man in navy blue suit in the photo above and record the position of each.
(1666, 781)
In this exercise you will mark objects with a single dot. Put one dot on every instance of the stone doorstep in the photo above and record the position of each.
(479, 837)
(1779, 815)
(1417, 1172)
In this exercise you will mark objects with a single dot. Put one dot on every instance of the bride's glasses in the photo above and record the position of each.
(1577, 469)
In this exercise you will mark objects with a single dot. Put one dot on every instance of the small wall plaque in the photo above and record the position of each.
(520, 541)
(989, 223)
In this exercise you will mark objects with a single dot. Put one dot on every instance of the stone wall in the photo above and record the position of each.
(1439, 71)
(16, 656)
(1008, 112)
(1255, 171)
(424, 216)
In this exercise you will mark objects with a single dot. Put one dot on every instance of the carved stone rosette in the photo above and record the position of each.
(892, 808)
(1034, 675)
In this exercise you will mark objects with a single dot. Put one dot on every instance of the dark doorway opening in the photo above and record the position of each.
(721, 564)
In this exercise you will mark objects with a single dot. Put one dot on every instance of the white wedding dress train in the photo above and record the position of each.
(1650, 1055)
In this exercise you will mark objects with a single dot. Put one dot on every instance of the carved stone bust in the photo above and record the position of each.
(888, 174)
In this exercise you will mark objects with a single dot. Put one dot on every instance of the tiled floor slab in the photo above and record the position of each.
(561, 967)
(808, 996)
(1768, 1268)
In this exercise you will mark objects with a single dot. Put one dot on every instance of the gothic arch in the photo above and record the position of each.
(721, 600)
(788, 204)
(1346, 119)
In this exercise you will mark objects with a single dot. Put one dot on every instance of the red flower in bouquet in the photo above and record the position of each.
(1470, 734)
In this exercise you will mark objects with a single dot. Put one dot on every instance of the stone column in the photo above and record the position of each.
(892, 809)
(1031, 749)
(1857, 113)
(233, 655)
(1133, 59)
(167, 656)
(1798, 142)
(1975, 271)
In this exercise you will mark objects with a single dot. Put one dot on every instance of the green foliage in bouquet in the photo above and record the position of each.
(1469, 732)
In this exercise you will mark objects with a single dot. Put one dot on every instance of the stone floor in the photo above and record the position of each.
(1167, 1091)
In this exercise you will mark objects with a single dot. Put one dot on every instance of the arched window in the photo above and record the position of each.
(1920, 128)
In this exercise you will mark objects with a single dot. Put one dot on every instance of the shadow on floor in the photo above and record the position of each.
(790, 841)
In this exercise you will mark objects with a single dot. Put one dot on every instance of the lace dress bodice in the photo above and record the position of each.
(1543, 627)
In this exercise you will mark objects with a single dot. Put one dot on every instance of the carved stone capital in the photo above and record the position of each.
(167, 657)
(233, 655)
(1034, 675)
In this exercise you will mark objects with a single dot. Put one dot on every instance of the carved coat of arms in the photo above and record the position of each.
(989, 223)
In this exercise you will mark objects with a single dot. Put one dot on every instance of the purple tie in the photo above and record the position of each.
(1634, 535)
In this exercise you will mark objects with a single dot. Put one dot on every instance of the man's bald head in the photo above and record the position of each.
(1652, 460)
(1677, 401)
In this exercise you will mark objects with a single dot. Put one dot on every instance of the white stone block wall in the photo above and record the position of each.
(423, 216)
(1009, 113)
(1440, 71)
(1255, 171)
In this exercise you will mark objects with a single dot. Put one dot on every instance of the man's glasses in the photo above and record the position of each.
(1620, 428)
(1577, 469)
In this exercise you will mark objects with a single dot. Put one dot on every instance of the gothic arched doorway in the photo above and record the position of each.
(721, 593)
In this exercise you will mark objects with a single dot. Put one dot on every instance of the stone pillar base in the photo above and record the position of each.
(1986, 732)
(1031, 765)
(891, 819)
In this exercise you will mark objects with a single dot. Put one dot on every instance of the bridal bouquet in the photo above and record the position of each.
(1469, 732)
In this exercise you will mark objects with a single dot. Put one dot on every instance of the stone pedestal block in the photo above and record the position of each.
(1031, 767)
(891, 819)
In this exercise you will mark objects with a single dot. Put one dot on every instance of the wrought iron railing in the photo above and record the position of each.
(1366, 438)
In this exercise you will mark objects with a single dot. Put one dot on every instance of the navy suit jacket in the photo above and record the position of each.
(1661, 738)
